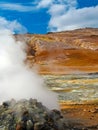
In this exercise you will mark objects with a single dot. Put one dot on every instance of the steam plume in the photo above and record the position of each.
(16, 79)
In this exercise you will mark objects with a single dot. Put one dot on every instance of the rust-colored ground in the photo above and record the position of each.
(82, 115)
(67, 61)
(64, 52)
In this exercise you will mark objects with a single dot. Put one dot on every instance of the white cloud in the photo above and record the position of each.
(44, 3)
(50, 3)
(56, 10)
(64, 15)
(16, 7)
(74, 18)
(13, 26)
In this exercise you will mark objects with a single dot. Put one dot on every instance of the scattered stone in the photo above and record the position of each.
(5, 104)
(28, 115)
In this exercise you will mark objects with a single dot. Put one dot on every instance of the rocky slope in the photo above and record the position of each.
(67, 51)
(30, 115)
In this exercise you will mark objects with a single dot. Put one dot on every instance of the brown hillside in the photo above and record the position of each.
(63, 52)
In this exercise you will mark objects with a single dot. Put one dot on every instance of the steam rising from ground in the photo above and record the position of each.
(16, 79)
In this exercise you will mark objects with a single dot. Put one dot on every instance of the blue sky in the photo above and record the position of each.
(42, 16)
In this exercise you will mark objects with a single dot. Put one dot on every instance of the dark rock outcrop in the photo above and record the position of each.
(29, 115)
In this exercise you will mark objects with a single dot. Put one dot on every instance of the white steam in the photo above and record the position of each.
(16, 79)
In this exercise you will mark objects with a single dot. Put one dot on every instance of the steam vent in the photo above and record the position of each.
(67, 62)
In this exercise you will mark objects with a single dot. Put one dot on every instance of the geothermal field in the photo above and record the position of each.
(68, 63)
(52, 78)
